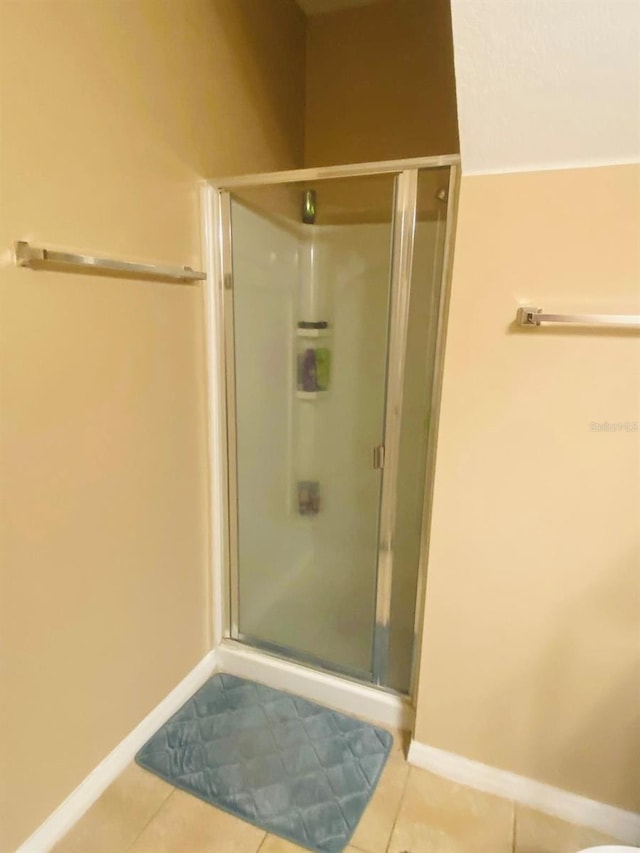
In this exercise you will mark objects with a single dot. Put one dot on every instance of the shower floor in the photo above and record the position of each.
(314, 621)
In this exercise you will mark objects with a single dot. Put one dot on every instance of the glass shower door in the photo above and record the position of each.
(310, 317)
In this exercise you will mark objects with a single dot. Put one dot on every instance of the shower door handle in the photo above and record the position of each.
(378, 457)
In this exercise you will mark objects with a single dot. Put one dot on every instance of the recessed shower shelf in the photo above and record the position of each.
(313, 333)
(311, 395)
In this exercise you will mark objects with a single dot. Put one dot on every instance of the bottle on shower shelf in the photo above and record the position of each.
(307, 370)
(314, 356)
(323, 368)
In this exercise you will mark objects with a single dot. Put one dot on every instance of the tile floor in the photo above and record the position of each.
(411, 811)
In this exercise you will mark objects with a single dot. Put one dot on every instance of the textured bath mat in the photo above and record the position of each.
(278, 761)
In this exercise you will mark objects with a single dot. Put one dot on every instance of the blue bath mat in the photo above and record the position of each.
(282, 763)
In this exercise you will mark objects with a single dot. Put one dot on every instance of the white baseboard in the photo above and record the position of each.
(574, 808)
(350, 697)
(71, 810)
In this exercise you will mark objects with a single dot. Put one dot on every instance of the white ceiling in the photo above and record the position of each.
(545, 84)
(319, 7)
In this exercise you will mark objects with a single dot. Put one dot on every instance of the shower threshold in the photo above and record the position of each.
(305, 659)
(339, 691)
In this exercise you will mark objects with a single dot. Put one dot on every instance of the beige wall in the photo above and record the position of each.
(380, 83)
(531, 655)
(112, 111)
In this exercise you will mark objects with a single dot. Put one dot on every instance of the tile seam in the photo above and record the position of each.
(162, 804)
(400, 802)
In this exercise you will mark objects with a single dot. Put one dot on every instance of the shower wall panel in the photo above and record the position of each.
(307, 583)
(272, 549)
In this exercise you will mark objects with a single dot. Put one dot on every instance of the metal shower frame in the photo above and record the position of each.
(216, 199)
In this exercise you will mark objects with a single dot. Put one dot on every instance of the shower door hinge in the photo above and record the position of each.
(378, 457)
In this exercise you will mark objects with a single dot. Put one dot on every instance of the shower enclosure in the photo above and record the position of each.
(330, 309)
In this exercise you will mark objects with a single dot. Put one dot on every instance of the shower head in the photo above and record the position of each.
(309, 207)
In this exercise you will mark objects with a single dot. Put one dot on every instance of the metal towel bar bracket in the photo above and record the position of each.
(528, 316)
(37, 258)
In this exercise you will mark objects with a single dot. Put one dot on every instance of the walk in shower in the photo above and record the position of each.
(330, 301)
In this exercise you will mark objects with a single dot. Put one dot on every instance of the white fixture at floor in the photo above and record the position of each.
(610, 849)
